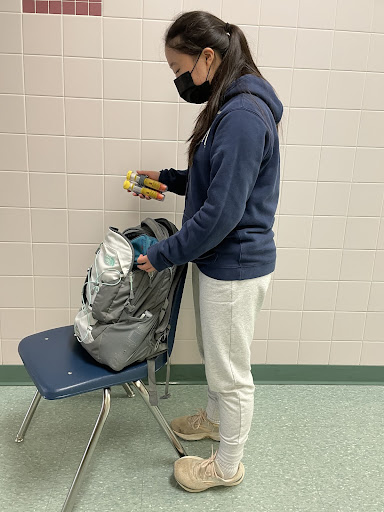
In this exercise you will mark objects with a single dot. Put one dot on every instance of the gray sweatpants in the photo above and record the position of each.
(225, 314)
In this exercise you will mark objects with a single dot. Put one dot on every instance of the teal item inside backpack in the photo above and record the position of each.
(141, 245)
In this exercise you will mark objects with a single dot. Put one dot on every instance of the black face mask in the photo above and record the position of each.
(191, 92)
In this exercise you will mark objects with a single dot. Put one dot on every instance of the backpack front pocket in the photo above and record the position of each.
(109, 301)
(107, 284)
(121, 343)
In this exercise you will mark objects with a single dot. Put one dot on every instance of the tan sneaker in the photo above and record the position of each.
(195, 427)
(195, 474)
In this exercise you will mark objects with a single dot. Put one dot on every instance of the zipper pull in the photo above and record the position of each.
(131, 294)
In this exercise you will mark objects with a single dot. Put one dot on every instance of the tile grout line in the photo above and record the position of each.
(102, 115)
(282, 179)
(141, 99)
(316, 186)
(29, 176)
(349, 217)
(382, 204)
(65, 168)
(141, 164)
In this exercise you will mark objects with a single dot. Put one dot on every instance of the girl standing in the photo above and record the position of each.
(231, 190)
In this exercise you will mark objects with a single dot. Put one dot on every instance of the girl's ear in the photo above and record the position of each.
(208, 54)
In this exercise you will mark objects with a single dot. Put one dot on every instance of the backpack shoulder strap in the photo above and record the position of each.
(165, 312)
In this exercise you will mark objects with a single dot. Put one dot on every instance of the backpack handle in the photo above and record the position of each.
(171, 228)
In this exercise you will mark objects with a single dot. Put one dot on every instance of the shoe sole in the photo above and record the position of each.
(197, 437)
(236, 482)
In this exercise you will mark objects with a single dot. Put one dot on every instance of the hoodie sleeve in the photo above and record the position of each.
(237, 151)
(176, 181)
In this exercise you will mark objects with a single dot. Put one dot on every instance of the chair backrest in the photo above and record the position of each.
(176, 308)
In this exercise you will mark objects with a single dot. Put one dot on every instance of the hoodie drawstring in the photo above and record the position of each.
(206, 137)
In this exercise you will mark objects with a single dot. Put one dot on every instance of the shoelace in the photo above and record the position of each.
(196, 420)
(206, 468)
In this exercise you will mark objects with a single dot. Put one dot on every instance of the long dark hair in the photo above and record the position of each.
(193, 31)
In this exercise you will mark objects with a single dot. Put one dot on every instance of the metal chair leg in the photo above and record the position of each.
(129, 390)
(71, 496)
(160, 419)
(28, 417)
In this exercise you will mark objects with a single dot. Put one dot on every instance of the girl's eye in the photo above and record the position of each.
(177, 71)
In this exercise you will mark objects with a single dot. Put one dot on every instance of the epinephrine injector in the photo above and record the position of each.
(143, 180)
(133, 187)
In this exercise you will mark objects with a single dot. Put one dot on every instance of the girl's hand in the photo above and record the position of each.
(153, 175)
(143, 263)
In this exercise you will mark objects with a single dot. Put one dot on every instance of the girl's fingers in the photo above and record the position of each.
(140, 195)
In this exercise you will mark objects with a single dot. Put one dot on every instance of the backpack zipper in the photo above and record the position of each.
(126, 240)
(130, 272)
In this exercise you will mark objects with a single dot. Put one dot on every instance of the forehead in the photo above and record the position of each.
(174, 57)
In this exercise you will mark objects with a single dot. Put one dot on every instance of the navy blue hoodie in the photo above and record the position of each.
(231, 190)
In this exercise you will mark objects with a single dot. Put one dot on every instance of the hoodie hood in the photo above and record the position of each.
(258, 87)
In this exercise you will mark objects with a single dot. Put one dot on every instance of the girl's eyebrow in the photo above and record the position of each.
(172, 64)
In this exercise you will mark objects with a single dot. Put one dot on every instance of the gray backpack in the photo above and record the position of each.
(124, 318)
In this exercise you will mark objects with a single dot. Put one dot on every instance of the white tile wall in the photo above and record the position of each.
(317, 14)
(14, 189)
(83, 117)
(279, 12)
(128, 84)
(43, 75)
(42, 35)
(122, 38)
(162, 10)
(11, 78)
(354, 15)
(375, 61)
(85, 99)
(83, 77)
(44, 115)
(82, 36)
(123, 9)
(241, 12)
(350, 51)
(46, 153)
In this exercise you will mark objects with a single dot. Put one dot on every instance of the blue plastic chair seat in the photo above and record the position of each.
(60, 367)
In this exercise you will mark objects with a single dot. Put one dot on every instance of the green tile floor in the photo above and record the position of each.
(311, 448)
